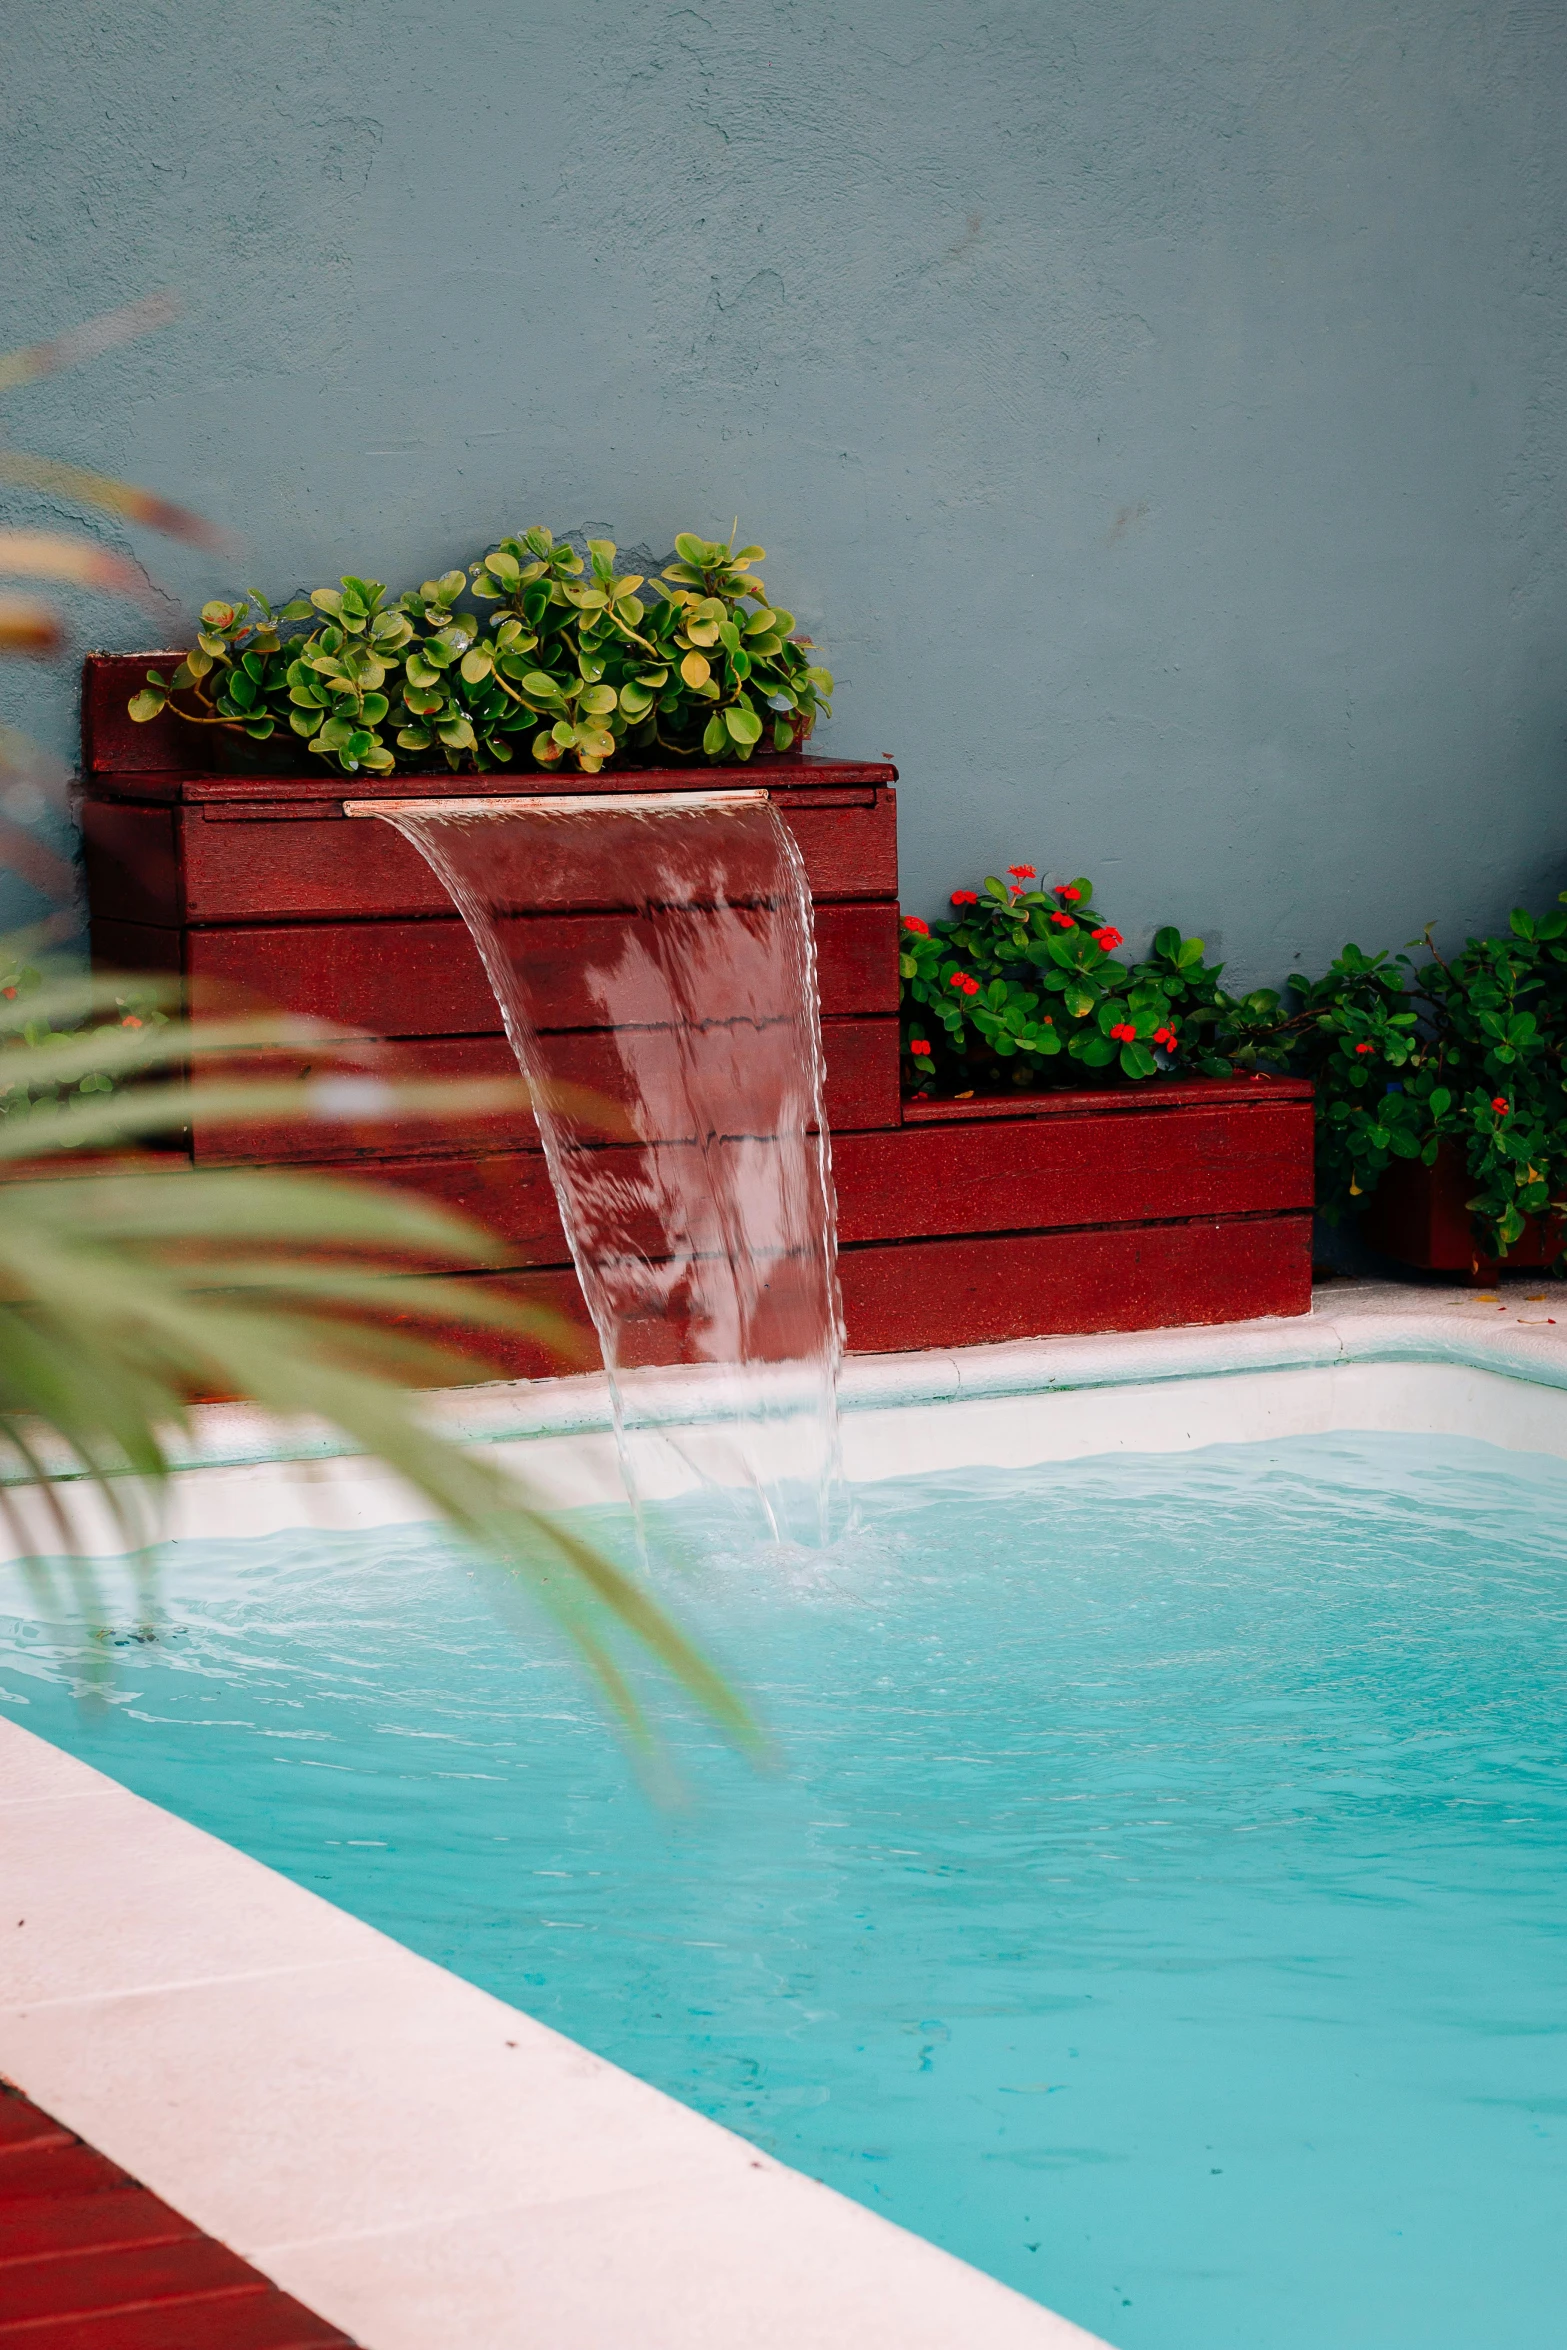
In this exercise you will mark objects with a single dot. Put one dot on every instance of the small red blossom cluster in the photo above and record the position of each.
(964, 985)
(1124, 1032)
(965, 897)
(1022, 872)
(918, 1045)
(1063, 921)
(1501, 1105)
(1166, 1037)
(1109, 938)
(1365, 1048)
(913, 922)
(1070, 894)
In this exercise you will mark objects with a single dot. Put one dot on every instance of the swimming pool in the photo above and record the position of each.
(1160, 1903)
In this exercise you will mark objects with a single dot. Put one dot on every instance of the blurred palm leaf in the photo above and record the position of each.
(124, 1293)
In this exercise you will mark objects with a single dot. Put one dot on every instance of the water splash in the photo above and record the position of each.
(660, 951)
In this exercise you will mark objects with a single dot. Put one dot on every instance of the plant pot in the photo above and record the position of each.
(1419, 1216)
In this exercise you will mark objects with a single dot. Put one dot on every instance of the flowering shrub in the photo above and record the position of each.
(1023, 987)
(1408, 1054)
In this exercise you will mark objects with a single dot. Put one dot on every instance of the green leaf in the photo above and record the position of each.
(145, 705)
(715, 736)
(743, 724)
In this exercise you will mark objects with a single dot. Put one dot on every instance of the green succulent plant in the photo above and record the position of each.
(571, 663)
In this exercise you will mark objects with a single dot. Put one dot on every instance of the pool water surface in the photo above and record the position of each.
(1160, 1900)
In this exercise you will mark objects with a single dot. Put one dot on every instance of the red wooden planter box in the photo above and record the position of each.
(1420, 1215)
(1176, 1202)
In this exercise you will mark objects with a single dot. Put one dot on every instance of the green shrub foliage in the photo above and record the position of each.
(1029, 987)
(567, 662)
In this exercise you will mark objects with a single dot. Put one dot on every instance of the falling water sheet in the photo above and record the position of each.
(661, 950)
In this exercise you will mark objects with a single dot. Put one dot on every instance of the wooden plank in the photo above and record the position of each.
(256, 2321)
(89, 2260)
(120, 2215)
(133, 863)
(1197, 1159)
(902, 1185)
(964, 1292)
(1160, 1093)
(904, 1295)
(327, 866)
(99, 2279)
(53, 2168)
(861, 1091)
(425, 979)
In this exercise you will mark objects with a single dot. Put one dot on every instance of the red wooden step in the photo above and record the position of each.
(904, 1295)
(287, 860)
(425, 979)
(861, 1090)
(966, 1292)
(1226, 1159)
(1203, 1158)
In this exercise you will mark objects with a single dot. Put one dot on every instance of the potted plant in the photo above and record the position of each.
(567, 664)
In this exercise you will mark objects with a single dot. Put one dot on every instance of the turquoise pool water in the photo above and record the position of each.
(1162, 1904)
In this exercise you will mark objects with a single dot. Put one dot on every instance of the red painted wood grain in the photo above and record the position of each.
(279, 862)
(425, 978)
(901, 1296)
(1030, 1174)
(861, 1091)
(966, 1292)
(89, 2260)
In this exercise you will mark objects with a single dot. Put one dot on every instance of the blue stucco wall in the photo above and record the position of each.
(1158, 413)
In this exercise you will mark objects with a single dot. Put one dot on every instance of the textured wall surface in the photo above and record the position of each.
(1157, 413)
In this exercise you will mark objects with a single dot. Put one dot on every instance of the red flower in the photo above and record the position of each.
(919, 1045)
(1022, 872)
(1063, 921)
(129, 1022)
(1070, 894)
(1049, 1020)
(9, 993)
(1108, 938)
(913, 922)
(1124, 1032)
(1365, 1048)
(971, 987)
(1166, 1037)
(1501, 1107)
(962, 982)
(965, 897)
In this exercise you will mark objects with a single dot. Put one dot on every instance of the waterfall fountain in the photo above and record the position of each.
(697, 1190)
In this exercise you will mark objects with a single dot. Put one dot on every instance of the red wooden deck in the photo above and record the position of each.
(89, 2260)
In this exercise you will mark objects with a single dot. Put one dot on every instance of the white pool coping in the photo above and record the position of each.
(426, 2166)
